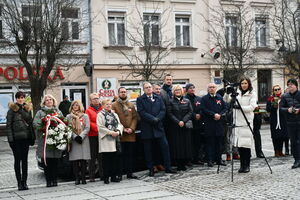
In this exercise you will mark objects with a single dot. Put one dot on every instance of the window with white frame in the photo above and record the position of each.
(183, 30)
(31, 19)
(151, 29)
(231, 31)
(116, 29)
(70, 23)
(261, 32)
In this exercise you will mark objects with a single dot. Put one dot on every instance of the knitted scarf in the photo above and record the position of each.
(76, 124)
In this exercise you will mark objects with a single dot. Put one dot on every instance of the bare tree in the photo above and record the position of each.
(146, 48)
(286, 22)
(38, 32)
(231, 26)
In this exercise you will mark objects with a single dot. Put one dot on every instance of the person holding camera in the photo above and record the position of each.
(290, 105)
(243, 138)
(20, 136)
(213, 108)
(180, 112)
(80, 146)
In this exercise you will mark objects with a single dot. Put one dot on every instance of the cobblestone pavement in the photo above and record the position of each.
(200, 182)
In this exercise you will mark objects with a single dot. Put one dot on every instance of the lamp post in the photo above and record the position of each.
(88, 69)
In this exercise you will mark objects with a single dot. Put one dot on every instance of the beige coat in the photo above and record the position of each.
(242, 136)
(106, 142)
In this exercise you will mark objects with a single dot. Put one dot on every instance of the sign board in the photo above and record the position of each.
(107, 87)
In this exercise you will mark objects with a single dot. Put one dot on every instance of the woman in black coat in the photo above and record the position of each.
(20, 136)
(279, 132)
(180, 112)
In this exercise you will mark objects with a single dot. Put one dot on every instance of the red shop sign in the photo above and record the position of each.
(12, 73)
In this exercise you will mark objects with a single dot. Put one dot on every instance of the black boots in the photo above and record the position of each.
(22, 185)
(245, 165)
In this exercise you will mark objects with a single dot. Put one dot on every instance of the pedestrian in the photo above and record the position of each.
(243, 138)
(48, 108)
(166, 90)
(213, 108)
(152, 111)
(110, 130)
(64, 106)
(20, 136)
(92, 111)
(278, 124)
(128, 118)
(180, 112)
(290, 105)
(257, 121)
(80, 146)
(198, 125)
(156, 89)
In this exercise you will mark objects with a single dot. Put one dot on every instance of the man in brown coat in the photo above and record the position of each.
(128, 117)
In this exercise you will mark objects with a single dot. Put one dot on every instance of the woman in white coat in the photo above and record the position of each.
(243, 138)
(110, 129)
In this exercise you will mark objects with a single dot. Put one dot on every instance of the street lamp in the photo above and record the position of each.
(88, 68)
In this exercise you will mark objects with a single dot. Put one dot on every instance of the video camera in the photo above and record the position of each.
(230, 87)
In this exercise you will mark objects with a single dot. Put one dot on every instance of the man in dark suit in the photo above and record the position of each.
(213, 107)
(152, 110)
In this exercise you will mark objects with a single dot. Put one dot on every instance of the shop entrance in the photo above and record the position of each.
(76, 92)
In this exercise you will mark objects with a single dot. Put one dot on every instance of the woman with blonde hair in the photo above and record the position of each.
(110, 129)
(80, 146)
(180, 112)
(278, 124)
(50, 155)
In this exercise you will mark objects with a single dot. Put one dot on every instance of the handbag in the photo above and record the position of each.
(189, 124)
(118, 145)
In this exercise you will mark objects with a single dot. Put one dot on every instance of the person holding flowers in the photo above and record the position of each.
(53, 136)
(278, 124)
(110, 130)
(80, 146)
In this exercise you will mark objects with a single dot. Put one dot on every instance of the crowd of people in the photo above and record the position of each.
(178, 128)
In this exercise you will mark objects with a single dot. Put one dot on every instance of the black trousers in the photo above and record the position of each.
(245, 155)
(257, 141)
(127, 156)
(294, 133)
(51, 169)
(197, 144)
(278, 144)
(110, 164)
(20, 150)
(214, 145)
(79, 169)
(94, 149)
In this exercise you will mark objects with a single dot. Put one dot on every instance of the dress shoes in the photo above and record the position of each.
(83, 182)
(115, 180)
(131, 176)
(120, 178)
(106, 181)
(160, 168)
(198, 162)
(151, 172)
(49, 184)
(296, 164)
(241, 170)
(20, 186)
(54, 183)
(260, 155)
(210, 164)
(170, 171)
(221, 162)
(77, 182)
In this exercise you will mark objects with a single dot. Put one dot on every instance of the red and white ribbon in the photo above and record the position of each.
(48, 122)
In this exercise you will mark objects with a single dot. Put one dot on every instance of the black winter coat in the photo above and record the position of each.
(277, 133)
(290, 100)
(196, 102)
(19, 122)
(152, 114)
(211, 106)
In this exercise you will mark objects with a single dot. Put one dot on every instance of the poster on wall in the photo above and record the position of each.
(133, 93)
(107, 87)
(77, 96)
(5, 98)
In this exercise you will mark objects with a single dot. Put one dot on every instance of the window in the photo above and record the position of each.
(70, 23)
(261, 32)
(231, 31)
(116, 29)
(182, 27)
(151, 29)
(31, 24)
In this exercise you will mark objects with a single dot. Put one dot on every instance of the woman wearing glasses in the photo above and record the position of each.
(277, 122)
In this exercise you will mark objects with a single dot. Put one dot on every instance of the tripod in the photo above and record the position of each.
(232, 125)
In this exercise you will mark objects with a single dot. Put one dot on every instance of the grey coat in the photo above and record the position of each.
(80, 151)
(37, 122)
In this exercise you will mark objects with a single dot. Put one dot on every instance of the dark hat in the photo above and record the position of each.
(66, 96)
(292, 81)
(188, 86)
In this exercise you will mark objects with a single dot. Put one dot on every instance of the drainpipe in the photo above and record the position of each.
(91, 46)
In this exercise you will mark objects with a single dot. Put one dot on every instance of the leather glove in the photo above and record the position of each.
(78, 139)
(236, 106)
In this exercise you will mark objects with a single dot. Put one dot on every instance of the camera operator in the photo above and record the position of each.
(290, 105)
(243, 138)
